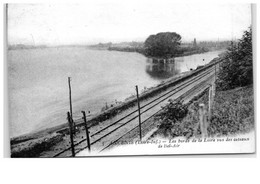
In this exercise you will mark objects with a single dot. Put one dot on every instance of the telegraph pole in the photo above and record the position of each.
(71, 105)
(139, 113)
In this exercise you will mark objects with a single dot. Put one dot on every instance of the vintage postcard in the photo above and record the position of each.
(114, 78)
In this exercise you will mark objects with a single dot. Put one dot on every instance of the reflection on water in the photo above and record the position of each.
(161, 69)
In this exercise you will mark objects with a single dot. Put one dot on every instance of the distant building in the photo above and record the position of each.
(194, 43)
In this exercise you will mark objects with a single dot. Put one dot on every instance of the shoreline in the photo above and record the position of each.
(129, 99)
(141, 51)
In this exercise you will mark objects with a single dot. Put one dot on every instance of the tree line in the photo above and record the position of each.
(237, 68)
(168, 45)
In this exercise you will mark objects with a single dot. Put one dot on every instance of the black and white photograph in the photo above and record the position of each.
(129, 79)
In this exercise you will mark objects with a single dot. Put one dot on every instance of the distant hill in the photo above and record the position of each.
(22, 46)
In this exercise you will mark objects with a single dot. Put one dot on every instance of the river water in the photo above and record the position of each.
(38, 82)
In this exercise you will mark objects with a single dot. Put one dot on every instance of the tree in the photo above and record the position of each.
(237, 68)
(165, 44)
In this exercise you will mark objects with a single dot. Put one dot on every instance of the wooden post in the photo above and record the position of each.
(210, 102)
(71, 134)
(213, 91)
(86, 127)
(139, 113)
(71, 106)
(214, 85)
(203, 120)
(215, 71)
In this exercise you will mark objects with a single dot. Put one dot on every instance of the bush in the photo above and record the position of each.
(237, 68)
(171, 117)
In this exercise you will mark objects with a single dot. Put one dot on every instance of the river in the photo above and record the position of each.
(38, 82)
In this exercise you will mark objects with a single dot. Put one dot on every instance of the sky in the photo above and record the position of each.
(59, 24)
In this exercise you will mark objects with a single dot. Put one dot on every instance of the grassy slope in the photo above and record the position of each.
(233, 113)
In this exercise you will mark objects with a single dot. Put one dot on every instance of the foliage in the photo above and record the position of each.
(237, 68)
(164, 44)
(172, 114)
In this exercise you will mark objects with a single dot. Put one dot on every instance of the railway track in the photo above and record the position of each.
(107, 135)
(184, 97)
